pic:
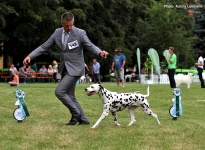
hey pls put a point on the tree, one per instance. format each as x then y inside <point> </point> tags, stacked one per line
<point>31,27</point>
<point>109,24</point>
<point>165,27</point>
<point>105,22</point>
<point>199,27</point>
<point>4,11</point>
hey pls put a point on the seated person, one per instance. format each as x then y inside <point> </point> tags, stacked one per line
<point>30,71</point>
<point>50,70</point>
<point>23,73</point>
<point>43,71</point>
<point>10,70</point>
<point>15,81</point>
<point>133,76</point>
<point>142,71</point>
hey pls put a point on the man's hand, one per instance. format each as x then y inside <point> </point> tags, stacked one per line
<point>26,60</point>
<point>103,54</point>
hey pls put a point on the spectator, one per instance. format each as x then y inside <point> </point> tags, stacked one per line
<point>15,81</point>
<point>96,71</point>
<point>118,65</point>
<point>172,61</point>
<point>30,71</point>
<point>200,67</point>
<point>133,76</point>
<point>55,71</point>
<point>142,71</point>
<point>43,71</point>
<point>11,69</point>
<point>34,67</point>
<point>17,66</point>
<point>23,73</point>
<point>50,70</point>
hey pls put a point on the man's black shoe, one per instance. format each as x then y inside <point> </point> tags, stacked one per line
<point>84,123</point>
<point>72,122</point>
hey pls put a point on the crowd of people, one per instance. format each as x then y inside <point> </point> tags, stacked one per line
<point>30,71</point>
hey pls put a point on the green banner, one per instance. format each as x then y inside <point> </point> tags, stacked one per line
<point>166,55</point>
<point>155,59</point>
<point>138,59</point>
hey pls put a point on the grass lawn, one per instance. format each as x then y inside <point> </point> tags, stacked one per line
<point>45,128</point>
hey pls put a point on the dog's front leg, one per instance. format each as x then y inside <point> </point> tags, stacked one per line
<point>104,114</point>
<point>115,118</point>
<point>188,86</point>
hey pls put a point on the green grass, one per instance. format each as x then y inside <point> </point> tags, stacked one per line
<point>45,127</point>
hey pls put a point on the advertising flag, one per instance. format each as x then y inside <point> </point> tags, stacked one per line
<point>155,59</point>
<point>166,55</point>
<point>138,59</point>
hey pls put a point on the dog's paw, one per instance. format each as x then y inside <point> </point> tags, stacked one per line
<point>118,124</point>
<point>131,123</point>
<point>93,127</point>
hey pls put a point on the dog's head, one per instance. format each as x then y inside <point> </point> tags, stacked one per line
<point>93,89</point>
<point>190,74</point>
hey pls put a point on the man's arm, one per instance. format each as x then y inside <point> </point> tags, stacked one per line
<point>41,49</point>
<point>112,66</point>
<point>87,68</point>
<point>91,47</point>
<point>123,64</point>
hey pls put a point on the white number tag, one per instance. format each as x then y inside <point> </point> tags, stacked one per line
<point>73,44</point>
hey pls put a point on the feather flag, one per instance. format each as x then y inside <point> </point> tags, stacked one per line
<point>166,55</point>
<point>138,59</point>
<point>155,59</point>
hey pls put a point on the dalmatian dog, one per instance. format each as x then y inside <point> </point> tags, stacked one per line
<point>183,79</point>
<point>113,102</point>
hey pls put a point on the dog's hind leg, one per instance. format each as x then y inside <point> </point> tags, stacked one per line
<point>147,110</point>
<point>156,118</point>
<point>115,118</point>
<point>131,110</point>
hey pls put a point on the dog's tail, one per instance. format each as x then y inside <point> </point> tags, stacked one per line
<point>147,92</point>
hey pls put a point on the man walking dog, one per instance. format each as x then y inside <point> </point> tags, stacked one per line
<point>71,42</point>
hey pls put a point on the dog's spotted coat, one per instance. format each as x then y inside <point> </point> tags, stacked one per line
<point>114,102</point>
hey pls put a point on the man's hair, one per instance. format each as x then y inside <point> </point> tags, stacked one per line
<point>67,16</point>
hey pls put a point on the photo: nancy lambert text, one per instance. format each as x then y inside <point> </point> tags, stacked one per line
<point>183,6</point>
